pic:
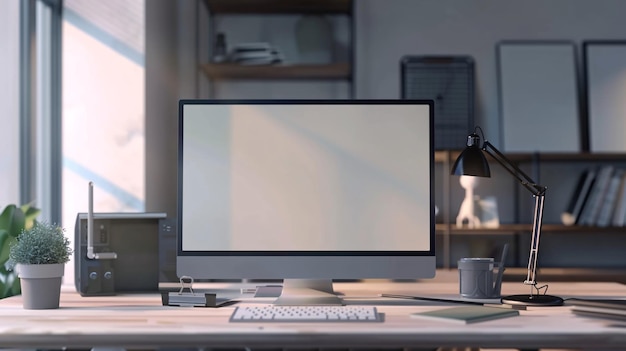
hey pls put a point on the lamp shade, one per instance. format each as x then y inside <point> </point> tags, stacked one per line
<point>471,162</point>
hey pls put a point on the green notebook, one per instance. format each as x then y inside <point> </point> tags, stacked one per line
<point>467,314</point>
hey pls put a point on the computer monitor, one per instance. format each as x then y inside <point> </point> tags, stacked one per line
<point>306,191</point>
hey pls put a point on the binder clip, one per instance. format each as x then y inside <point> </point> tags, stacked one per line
<point>189,298</point>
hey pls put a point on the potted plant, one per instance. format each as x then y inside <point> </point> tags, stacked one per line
<point>13,220</point>
<point>39,255</point>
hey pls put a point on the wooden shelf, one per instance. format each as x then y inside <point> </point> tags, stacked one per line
<point>339,71</point>
<point>547,275</point>
<point>441,155</point>
<point>507,229</point>
<point>279,6</point>
<point>335,71</point>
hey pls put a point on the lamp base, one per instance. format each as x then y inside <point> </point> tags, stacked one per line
<point>532,300</point>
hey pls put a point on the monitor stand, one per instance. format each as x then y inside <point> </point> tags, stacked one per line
<point>308,292</point>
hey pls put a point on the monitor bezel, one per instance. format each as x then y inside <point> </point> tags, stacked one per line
<point>257,263</point>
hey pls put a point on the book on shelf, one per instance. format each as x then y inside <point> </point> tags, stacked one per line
<point>579,196</point>
<point>619,214</point>
<point>467,314</point>
<point>591,209</point>
<point>607,208</point>
<point>260,53</point>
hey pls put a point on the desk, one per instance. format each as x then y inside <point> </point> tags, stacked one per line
<point>140,322</point>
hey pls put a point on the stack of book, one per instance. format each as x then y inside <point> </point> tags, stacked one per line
<point>255,54</point>
<point>602,308</point>
<point>599,198</point>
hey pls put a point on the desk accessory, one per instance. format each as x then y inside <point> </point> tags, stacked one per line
<point>477,279</point>
<point>431,299</point>
<point>467,314</point>
<point>189,298</point>
<point>599,308</point>
<point>472,162</point>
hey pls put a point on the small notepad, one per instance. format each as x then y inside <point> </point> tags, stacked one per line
<point>467,314</point>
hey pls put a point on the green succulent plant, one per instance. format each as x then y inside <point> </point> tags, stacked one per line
<point>44,243</point>
<point>13,220</point>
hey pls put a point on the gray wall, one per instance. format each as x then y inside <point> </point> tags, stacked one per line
<point>388,30</point>
<point>162,93</point>
<point>171,74</point>
<point>385,31</point>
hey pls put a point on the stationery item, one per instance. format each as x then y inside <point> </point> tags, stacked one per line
<point>255,54</point>
<point>610,304</point>
<point>432,299</point>
<point>477,279</point>
<point>467,314</point>
<point>599,308</point>
<point>600,315</point>
<point>190,298</point>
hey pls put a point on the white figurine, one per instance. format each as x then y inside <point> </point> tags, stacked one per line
<point>467,211</point>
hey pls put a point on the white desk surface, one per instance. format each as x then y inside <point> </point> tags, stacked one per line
<point>141,322</point>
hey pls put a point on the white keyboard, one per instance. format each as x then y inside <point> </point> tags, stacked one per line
<point>314,314</point>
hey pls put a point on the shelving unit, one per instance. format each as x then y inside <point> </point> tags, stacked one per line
<point>335,71</point>
<point>446,229</point>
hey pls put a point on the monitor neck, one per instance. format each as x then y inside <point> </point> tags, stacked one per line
<point>308,292</point>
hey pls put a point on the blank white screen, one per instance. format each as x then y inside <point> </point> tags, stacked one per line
<point>300,177</point>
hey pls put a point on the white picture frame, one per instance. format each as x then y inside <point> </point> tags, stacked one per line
<point>539,96</point>
<point>605,78</point>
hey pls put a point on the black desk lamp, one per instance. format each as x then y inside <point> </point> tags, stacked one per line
<point>472,162</point>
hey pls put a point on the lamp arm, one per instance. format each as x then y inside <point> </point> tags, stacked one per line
<point>515,171</point>
<point>538,192</point>
<point>534,242</point>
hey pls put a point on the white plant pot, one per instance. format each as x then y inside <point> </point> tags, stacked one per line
<point>41,285</point>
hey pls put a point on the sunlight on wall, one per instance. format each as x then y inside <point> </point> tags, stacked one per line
<point>103,129</point>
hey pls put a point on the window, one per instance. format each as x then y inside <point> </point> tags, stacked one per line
<point>9,101</point>
<point>103,107</point>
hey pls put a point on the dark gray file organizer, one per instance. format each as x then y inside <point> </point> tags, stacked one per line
<point>449,82</point>
<point>139,262</point>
